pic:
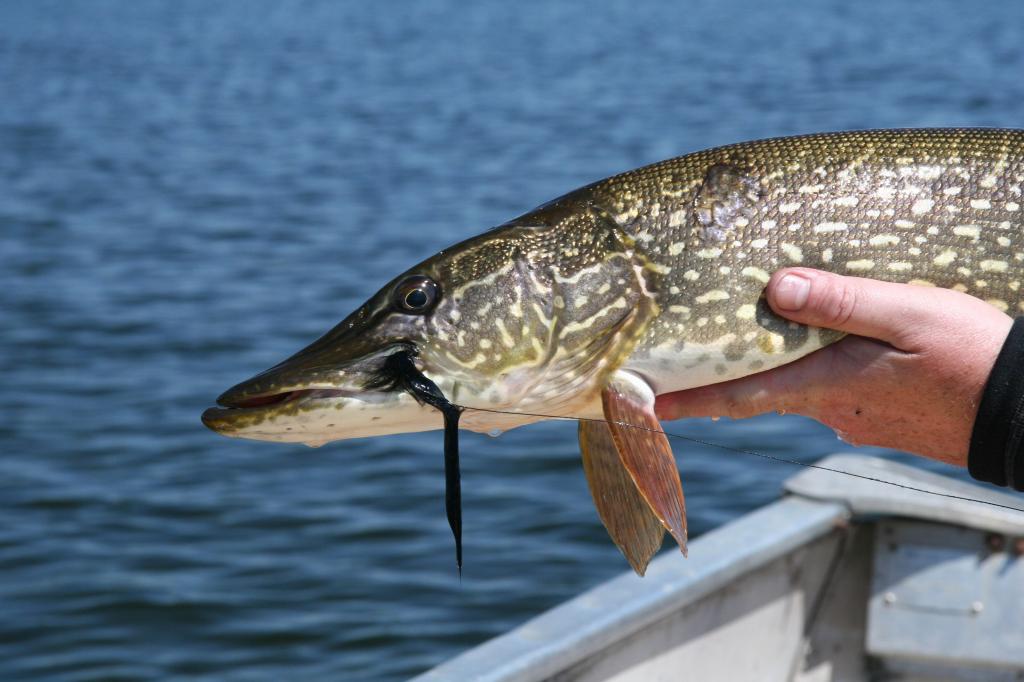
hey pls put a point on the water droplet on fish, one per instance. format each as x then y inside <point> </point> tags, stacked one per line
<point>845,437</point>
<point>494,433</point>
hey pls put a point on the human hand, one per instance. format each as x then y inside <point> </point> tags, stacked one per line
<point>911,378</point>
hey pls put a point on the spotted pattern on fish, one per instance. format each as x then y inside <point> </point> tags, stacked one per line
<point>939,207</point>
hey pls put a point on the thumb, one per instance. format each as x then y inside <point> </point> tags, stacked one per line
<point>865,307</point>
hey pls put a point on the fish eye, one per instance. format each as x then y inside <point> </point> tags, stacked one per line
<point>416,294</point>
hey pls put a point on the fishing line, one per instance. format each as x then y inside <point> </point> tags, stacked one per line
<point>774,458</point>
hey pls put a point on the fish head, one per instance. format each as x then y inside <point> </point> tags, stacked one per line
<point>525,319</point>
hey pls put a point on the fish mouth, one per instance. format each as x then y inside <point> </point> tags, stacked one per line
<point>227,404</point>
<point>315,415</point>
<point>233,412</point>
<point>318,414</point>
<point>293,393</point>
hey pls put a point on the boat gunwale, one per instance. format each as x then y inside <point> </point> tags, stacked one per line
<point>818,502</point>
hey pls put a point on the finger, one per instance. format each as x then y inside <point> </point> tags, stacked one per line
<point>880,310</point>
<point>717,400</point>
<point>792,388</point>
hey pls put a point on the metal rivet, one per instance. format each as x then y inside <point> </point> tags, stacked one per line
<point>977,607</point>
<point>889,598</point>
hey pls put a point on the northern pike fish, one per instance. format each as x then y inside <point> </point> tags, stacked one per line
<point>641,284</point>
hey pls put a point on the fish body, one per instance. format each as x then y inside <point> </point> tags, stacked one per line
<point>932,207</point>
<point>649,282</point>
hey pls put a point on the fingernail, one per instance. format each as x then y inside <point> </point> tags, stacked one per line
<point>791,292</point>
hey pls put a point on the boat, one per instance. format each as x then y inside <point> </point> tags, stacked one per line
<point>841,579</point>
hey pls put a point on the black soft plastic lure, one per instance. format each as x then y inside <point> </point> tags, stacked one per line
<point>400,373</point>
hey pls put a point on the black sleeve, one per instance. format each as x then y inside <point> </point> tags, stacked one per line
<point>997,441</point>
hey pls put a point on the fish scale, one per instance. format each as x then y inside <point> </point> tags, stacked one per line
<point>931,207</point>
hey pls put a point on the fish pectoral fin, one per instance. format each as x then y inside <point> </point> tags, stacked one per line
<point>644,450</point>
<point>633,527</point>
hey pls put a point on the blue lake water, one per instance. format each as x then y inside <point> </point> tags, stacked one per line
<point>190,191</point>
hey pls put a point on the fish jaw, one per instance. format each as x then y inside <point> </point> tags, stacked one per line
<point>318,416</point>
